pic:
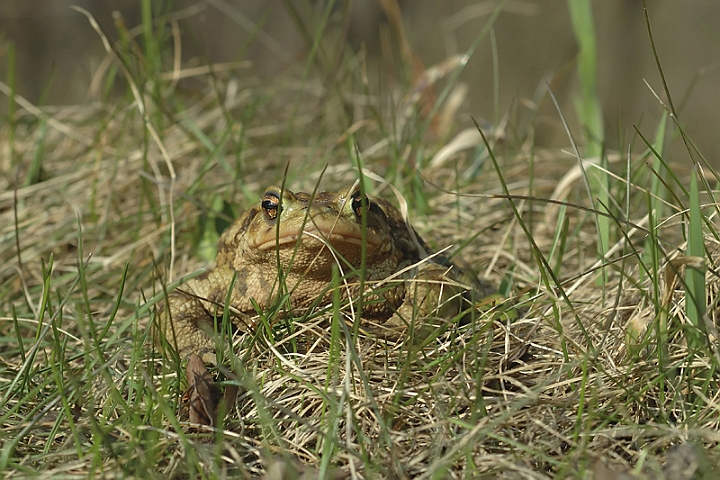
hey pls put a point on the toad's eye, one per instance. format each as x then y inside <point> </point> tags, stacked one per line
<point>270,204</point>
<point>359,203</point>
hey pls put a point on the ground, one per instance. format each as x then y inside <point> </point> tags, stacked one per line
<point>581,366</point>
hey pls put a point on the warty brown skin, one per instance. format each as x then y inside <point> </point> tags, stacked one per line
<point>304,237</point>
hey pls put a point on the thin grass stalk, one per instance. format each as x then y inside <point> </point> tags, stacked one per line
<point>11,79</point>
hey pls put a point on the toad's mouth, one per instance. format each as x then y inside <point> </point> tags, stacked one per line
<point>316,232</point>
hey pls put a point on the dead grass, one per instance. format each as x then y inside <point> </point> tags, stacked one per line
<point>547,383</point>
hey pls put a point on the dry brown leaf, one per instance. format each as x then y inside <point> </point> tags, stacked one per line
<point>200,391</point>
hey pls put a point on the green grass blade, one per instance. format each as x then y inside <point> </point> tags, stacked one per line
<point>589,112</point>
<point>695,277</point>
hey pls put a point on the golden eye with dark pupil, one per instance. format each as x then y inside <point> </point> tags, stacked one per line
<point>359,202</point>
<point>269,205</point>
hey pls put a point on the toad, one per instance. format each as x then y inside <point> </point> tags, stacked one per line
<point>289,247</point>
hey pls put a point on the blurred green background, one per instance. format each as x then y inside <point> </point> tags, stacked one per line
<point>57,52</point>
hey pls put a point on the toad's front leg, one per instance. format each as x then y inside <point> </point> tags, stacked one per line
<point>188,318</point>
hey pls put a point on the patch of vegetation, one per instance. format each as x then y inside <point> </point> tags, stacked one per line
<point>594,360</point>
